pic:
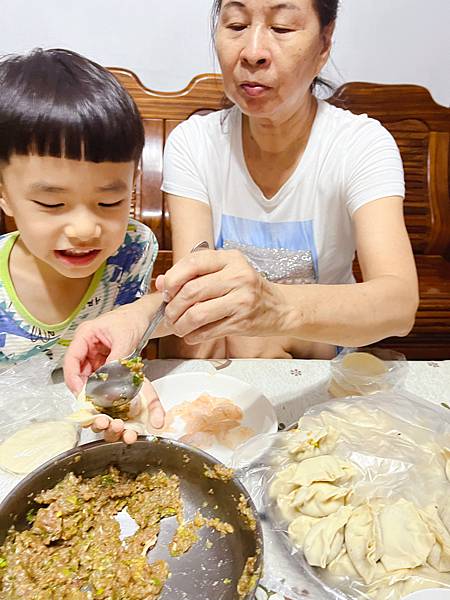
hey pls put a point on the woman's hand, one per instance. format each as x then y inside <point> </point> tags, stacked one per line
<point>216,293</point>
<point>111,336</point>
<point>146,413</point>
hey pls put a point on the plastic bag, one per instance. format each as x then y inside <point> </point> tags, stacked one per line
<point>27,395</point>
<point>361,372</point>
<point>395,442</point>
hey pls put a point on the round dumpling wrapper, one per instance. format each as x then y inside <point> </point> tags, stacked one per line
<point>33,445</point>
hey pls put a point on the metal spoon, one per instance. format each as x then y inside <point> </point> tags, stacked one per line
<point>114,385</point>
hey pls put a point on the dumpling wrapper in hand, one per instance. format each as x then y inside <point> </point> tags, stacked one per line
<point>407,540</point>
<point>299,527</point>
<point>320,499</point>
<point>363,541</point>
<point>320,468</point>
<point>325,539</point>
<point>37,443</point>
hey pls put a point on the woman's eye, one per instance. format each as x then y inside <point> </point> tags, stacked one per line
<point>281,29</point>
<point>59,205</point>
<point>110,204</point>
<point>236,26</point>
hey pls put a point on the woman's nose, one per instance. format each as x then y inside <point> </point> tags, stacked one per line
<point>256,51</point>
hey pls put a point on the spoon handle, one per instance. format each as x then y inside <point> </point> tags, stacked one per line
<point>155,321</point>
<point>159,315</point>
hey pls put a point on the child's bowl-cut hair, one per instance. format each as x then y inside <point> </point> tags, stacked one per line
<point>58,103</point>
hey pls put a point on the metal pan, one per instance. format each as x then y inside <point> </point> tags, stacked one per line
<point>205,571</point>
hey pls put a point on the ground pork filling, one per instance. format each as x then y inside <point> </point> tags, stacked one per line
<point>73,549</point>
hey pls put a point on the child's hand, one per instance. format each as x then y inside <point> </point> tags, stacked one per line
<point>146,413</point>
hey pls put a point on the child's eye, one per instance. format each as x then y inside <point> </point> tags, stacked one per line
<point>45,205</point>
<point>110,204</point>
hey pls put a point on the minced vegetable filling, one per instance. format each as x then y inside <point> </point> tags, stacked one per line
<point>73,549</point>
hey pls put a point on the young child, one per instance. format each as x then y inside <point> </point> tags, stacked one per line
<point>70,141</point>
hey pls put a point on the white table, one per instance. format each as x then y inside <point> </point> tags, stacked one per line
<point>291,386</point>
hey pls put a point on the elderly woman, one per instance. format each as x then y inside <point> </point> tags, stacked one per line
<point>285,187</point>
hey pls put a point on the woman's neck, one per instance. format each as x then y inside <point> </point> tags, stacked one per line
<point>287,133</point>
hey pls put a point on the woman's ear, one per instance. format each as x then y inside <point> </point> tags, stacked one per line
<point>327,41</point>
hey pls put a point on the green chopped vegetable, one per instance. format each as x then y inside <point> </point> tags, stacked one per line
<point>138,378</point>
<point>227,580</point>
<point>107,480</point>
<point>3,562</point>
<point>31,515</point>
<point>155,581</point>
<point>445,405</point>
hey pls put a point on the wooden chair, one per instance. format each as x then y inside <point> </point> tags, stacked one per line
<point>421,128</point>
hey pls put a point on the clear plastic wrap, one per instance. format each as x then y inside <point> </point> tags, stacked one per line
<point>399,447</point>
<point>365,371</point>
<point>28,396</point>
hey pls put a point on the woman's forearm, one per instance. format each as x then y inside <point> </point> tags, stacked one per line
<point>348,315</point>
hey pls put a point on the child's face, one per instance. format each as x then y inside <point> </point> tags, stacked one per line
<point>72,215</point>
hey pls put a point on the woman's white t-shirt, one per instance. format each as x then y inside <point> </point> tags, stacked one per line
<point>304,233</point>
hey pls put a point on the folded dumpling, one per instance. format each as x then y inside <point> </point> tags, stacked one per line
<point>363,541</point>
<point>320,468</point>
<point>286,507</point>
<point>439,557</point>
<point>299,527</point>
<point>446,453</point>
<point>320,499</point>
<point>342,566</point>
<point>305,444</point>
<point>324,540</point>
<point>407,540</point>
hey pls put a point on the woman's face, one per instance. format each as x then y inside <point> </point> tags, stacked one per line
<point>270,51</point>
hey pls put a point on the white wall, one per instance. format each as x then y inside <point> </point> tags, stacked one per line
<point>167,42</point>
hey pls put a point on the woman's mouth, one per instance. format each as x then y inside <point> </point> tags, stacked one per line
<point>77,257</point>
<point>254,90</point>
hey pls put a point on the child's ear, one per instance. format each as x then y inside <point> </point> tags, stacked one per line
<point>137,174</point>
<point>4,204</point>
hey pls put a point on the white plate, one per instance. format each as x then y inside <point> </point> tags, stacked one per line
<point>259,414</point>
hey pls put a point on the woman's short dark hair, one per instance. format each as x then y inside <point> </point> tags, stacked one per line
<point>326,11</point>
<point>58,103</point>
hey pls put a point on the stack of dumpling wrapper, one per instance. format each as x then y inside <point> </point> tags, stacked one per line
<point>363,489</point>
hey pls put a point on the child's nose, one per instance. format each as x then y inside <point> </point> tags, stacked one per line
<point>83,229</point>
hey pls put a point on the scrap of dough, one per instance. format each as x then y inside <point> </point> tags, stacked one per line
<point>324,540</point>
<point>320,499</point>
<point>32,446</point>
<point>307,444</point>
<point>439,557</point>
<point>407,540</point>
<point>299,527</point>
<point>319,468</point>
<point>363,541</point>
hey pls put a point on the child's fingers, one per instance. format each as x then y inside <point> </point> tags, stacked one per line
<point>100,423</point>
<point>129,436</point>
<point>114,431</point>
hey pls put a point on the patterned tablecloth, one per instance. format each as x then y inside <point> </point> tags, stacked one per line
<point>291,386</point>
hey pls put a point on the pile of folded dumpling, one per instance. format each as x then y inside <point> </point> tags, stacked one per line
<point>352,493</point>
